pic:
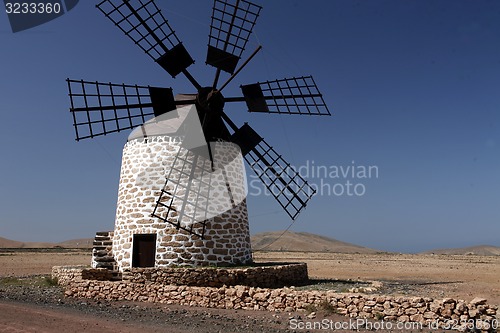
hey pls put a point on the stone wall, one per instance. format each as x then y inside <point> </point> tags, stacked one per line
<point>269,276</point>
<point>70,274</point>
<point>264,276</point>
<point>145,164</point>
<point>102,251</point>
<point>426,311</point>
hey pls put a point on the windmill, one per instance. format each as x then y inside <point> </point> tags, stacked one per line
<point>182,184</point>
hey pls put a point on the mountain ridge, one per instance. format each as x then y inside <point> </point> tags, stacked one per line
<point>84,243</point>
<point>279,241</point>
<point>482,250</point>
<point>304,242</point>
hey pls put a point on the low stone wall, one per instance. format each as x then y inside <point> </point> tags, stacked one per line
<point>265,276</point>
<point>69,274</point>
<point>427,311</point>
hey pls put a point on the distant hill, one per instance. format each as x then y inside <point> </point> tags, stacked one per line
<point>7,243</point>
<point>268,241</point>
<point>304,242</point>
<point>290,241</point>
<point>75,243</point>
<point>480,250</point>
<point>81,243</point>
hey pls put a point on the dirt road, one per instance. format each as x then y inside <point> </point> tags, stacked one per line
<point>23,318</point>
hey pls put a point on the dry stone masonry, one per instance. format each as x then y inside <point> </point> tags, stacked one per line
<point>269,276</point>
<point>69,274</point>
<point>264,276</point>
<point>102,251</point>
<point>475,315</point>
<point>145,164</point>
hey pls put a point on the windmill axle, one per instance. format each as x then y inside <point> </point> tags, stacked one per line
<point>210,100</point>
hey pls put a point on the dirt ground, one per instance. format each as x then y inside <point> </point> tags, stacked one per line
<point>30,262</point>
<point>438,276</point>
<point>456,276</point>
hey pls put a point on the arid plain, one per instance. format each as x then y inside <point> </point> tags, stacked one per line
<point>460,273</point>
<point>457,276</point>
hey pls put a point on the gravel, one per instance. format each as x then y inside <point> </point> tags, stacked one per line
<point>38,291</point>
<point>33,290</point>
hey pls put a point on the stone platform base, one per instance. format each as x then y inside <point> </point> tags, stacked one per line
<point>415,312</point>
<point>271,275</point>
<point>150,285</point>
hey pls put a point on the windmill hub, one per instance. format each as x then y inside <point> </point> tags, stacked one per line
<point>210,100</point>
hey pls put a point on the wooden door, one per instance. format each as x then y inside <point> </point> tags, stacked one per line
<point>144,250</point>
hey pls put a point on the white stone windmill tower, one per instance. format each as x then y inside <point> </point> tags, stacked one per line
<point>182,185</point>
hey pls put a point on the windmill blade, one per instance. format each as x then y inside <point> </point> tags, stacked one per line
<point>104,108</point>
<point>184,199</point>
<point>286,185</point>
<point>199,188</point>
<point>143,22</point>
<point>231,26</point>
<point>289,96</point>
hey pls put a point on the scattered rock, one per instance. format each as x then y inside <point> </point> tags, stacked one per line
<point>478,301</point>
<point>312,315</point>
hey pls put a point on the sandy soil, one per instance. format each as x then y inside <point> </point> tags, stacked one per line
<point>438,276</point>
<point>131,318</point>
<point>458,276</point>
<point>25,262</point>
<point>40,320</point>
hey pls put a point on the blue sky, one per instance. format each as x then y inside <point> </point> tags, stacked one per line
<point>414,87</point>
